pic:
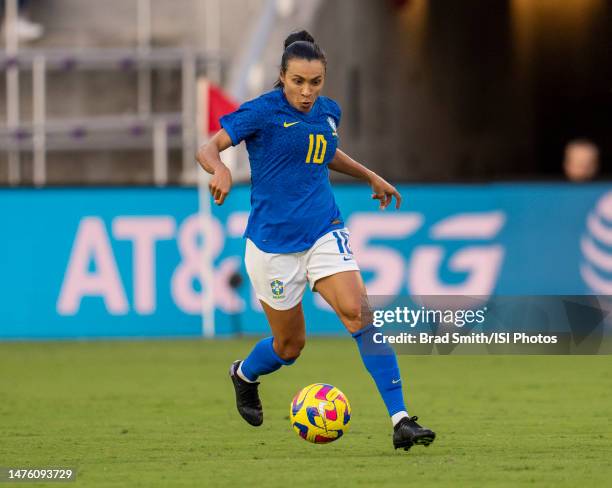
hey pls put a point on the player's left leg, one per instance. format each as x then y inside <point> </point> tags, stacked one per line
<point>345,292</point>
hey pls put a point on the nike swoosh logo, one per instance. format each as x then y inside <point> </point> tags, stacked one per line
<point>289,124</point>
<point>395,381</point>
<point>346,259</point>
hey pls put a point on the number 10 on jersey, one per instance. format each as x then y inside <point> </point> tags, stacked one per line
<point>316,148</point>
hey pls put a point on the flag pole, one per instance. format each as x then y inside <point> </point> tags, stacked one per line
<point>205,215</point>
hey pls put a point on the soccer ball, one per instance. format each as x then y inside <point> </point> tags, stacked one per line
<point>320,413</point>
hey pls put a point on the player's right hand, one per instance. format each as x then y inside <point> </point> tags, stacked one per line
<point>220,184</point>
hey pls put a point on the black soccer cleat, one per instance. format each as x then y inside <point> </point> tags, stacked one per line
<point>247,397</point>
<point>408,433</point>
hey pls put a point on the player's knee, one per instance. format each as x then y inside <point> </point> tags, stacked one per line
<point>290,348</point>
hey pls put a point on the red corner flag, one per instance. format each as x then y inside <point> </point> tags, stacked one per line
<point>214,104</point>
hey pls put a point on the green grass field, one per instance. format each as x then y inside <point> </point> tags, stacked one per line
<point>162,413</point>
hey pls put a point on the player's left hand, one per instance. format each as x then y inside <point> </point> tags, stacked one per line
<point>385,191</point>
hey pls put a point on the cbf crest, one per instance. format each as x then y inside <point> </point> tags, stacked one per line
<point>332,124</point>
<point>278,289</point>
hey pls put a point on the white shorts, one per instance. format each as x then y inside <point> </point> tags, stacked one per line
<point>280,279</point>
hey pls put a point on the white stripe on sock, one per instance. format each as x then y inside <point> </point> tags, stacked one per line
<point>396,417</point>
<point>242,375</point>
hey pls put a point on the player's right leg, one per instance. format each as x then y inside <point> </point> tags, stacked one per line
<point>279,281</point>
<point>268,355</point>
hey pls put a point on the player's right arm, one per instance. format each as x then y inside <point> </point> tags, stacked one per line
<point>208,156</point>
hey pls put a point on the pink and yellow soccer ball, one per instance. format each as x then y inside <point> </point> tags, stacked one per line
<point>320,413</point>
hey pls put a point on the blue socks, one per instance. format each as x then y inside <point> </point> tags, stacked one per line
<point>379,360</point>
<point>262,360</point>
<point>381,363</point>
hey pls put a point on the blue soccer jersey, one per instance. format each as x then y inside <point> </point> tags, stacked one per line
<point>292,203</point>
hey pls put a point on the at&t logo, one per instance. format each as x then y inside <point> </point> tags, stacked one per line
<point>596,247</point>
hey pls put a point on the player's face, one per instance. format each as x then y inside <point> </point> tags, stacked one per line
<point>303,82</point>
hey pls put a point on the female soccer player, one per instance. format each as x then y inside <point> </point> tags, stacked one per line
<point>295,232</point>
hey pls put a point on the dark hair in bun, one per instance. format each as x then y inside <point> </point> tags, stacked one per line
<point>297,36</point>
<point>300,45</point>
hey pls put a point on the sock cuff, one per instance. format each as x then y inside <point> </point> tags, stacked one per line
<point>359,333</point>
<point>246,373</point>
<point>270,343</point>
<point>397,416</point>
<point>249,377</point>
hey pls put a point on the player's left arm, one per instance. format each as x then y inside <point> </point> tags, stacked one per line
<point>382,189</point>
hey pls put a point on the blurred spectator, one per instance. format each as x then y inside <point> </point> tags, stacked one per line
<point>26,29</point>
<point>581,161</point>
